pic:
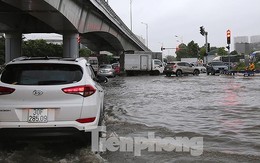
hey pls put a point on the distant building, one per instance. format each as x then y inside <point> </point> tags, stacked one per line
<point>255,46</point>
<point>241,39</point>
<point>243,46</point>
<point>255,43</point>
<point>255,39</point>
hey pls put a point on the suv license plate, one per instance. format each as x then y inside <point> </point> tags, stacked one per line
<point>38,116</point>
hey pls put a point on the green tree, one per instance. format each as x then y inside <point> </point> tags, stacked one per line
<point>170,58</point>
<point>36,48</point>
<point>187,51</point>
<point>181,52</point>
<point>193,49</point>
<point>84,52</point>
<point>202,52</point>
<point>222,52</point>
<point>234,52</point>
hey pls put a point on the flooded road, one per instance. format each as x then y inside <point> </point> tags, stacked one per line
<point>223,110</point>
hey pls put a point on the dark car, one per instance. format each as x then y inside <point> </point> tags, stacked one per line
<point>216,67</point>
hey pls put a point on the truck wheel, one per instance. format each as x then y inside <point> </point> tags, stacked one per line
<point>178,73</point>
<point>157,73</point>
<point>196,72</point>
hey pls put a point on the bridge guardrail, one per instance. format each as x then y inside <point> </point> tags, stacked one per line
<point>110,11</point>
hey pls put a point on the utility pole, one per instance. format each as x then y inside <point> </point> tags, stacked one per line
<point>207,49</point>
<point>181,37</point>
<point>131,16</point>
<point>146,32</point>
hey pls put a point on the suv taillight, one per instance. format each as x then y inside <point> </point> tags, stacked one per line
<point>86,120</point>
<point>6,90</point>
<point>84,90</point>
<point>174,66</point>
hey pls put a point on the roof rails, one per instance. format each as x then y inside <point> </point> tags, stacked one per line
<point>24,58</point>
<point>20,58</point>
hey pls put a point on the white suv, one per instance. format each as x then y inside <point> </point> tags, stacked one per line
<point>180,68</point>
<point>49,96</point>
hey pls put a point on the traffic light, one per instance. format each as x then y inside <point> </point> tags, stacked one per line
<point>228,47</point>
<point>202,31</point>
<point>208,47</point>
<point>78,39</point>
<point>162,48</point>
<point>228,36</point>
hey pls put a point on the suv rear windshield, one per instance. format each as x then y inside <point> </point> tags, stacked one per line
<point>217,63</point>
<point>170,64</point>
<point>41,74</point>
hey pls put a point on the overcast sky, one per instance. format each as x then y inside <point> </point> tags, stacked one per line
<point>167,18</point>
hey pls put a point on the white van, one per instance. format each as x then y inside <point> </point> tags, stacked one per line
<point>94,63</point>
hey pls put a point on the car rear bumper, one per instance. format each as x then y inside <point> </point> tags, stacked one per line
<point>169,72</point>
<point>39,132</point>
<point>106,74</point>
<point>46,129</point>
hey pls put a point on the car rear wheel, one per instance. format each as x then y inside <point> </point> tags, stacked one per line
<point>168,74</point>
<point>178,73</point>
<point>196,72</point>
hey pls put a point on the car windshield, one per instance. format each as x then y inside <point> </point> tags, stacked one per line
<point>218,63</point>
<point>105,66</point>
<point>93,62</point>
<point>41,74</point>
<point>170,64</point>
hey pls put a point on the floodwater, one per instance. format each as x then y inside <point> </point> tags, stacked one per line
<point>222,111</point>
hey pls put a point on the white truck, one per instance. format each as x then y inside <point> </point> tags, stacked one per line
<point>189,60</point>
<point>139,62</point>
<point>94,63</point>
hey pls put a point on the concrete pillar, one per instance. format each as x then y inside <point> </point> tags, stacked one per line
<point>13,46</point>
<point>70,45</point>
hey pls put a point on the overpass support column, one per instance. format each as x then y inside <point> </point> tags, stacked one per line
<point>13,46</point>
<point>70,45</point>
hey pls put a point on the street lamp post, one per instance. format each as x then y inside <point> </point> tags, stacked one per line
<point>131,16</point>
<point>180,37</point>
<point>146,32</point>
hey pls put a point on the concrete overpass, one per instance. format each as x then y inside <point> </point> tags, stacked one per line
<point>98,26</point>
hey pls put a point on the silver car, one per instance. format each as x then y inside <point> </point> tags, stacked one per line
<point>106,70</point>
